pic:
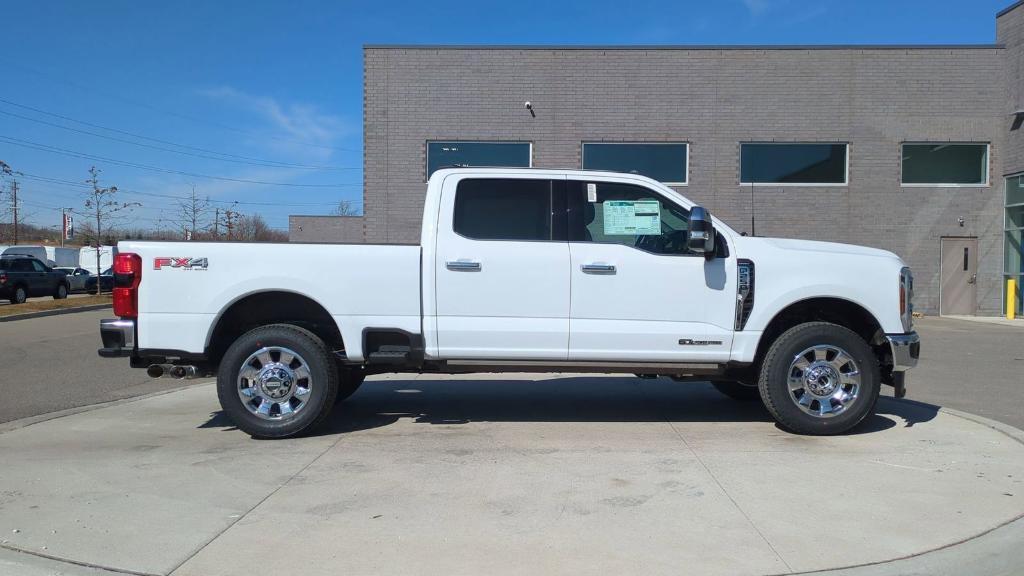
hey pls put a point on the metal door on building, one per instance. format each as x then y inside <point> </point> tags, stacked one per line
<point>958,276</point>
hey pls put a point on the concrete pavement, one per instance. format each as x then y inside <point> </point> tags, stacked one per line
<point>505,474</point>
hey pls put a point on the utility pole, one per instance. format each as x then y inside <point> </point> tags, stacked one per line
<point>216,224</point>
<point>14,207</point>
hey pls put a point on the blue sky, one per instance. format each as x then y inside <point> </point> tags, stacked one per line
<point>272,91</point>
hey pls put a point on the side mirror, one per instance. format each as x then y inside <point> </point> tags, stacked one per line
<point>701,236</point>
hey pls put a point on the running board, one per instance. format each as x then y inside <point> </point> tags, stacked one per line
<point>670,368</point>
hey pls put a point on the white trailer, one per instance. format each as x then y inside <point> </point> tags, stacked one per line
<point>27,250</point>
<point>62,257</point>
<point>87,258</point>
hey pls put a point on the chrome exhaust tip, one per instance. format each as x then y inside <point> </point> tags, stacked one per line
<point>181,372</point>
<point>155,371</point>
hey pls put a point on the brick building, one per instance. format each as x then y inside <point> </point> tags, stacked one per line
<point>913,149</point>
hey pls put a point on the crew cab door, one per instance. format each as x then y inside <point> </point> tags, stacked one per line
<point>637,292</point>
<point>502,268</point>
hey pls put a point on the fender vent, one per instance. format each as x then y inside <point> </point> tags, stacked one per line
<point>744,292</point>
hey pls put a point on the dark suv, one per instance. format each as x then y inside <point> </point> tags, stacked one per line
<point>24,277</point>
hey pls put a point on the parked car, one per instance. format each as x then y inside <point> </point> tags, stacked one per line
<point>106,280</point>
<point>23,277</point>
<point>524,270</point>
<point>77,277</point>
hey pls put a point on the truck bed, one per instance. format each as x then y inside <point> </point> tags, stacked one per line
<point>360,285</point>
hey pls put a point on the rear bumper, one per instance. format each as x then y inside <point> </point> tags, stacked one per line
<point>118,337</point>
<point>906,349</point>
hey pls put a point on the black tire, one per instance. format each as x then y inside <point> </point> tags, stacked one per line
<point>61,293</point>
<point>774,387</point>
<point>19,296</point>
<point>737,390</point>
<point>349,380</point>
<point>323,377</point>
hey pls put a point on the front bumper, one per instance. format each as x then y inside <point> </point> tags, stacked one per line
<point>906,349</point>
<point>118,336</point>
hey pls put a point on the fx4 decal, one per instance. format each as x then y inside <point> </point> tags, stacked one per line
<point>161,262</point>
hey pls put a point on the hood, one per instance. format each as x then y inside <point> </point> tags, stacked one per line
<point>817,247</point>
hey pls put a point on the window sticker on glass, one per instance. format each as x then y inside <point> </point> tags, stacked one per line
<point>632,217</point>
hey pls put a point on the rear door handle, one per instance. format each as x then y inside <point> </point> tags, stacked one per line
<point>463,265</point>
<point>598,268</point>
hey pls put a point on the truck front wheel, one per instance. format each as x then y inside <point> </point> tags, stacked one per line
<point>819,378</point>
<point>277,381</point>
<point>737,390</point>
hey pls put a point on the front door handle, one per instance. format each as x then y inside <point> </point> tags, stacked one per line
<point>598,268</point>
<point>974,278</point>
<point>463,265</point>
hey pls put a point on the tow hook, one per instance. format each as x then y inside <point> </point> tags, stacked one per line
<point>899,384</point>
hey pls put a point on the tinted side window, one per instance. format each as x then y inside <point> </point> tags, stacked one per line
<point>21,265</point>
<point>38,266</point>
<point>505,209</point>
<point>628,215</point>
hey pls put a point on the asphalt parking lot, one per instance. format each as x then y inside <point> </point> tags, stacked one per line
<point>50,364</point>
<point>970,366</point>
<point>506,474</point>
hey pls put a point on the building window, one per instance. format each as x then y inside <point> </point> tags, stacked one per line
<point>666,162</point>
<point>800,164</point>
<point>944,164</point>
<point>478,154</point>
<point>508,209</point>
<point>1013,250</point>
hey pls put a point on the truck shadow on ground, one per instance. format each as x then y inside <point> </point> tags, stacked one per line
<point>380,403</point>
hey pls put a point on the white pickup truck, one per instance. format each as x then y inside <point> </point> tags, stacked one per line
<point>523,270</point>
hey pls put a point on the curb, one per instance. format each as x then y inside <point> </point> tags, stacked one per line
<point>57,312</point>
<point>40,418</point>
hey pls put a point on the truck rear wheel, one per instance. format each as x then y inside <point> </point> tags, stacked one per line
<point>277,381</point>
<point>819,378</point>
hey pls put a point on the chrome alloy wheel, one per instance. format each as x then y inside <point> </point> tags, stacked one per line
<point>824,381</point>
<point>274,383</point>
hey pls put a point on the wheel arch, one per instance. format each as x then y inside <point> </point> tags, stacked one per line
<point>833,309</point>
<point>262,307</point>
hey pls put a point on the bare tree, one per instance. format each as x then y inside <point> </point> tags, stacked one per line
<point>193,213</point>
<point>101,206</point>
<point>253,228</point>
<point>346,208</point>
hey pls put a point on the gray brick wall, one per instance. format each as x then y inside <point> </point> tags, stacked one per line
<point>326,229</point>
<point>1010,33</point>
<point>713,98</point>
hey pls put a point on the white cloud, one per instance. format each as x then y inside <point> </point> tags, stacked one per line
<point>756,7</point>
<point>295,124</point>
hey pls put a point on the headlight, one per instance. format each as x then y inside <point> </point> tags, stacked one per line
<point>906,299</point>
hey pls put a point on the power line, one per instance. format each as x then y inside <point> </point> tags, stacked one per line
<point>74,154</point>
<point>54,78</point>
<point>209,154</point>
<point>172,196</point>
